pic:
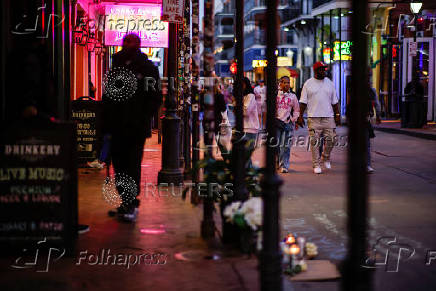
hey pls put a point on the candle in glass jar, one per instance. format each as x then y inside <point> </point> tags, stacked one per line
<point>301,242</point>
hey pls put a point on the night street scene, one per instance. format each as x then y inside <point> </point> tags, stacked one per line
<point>219,145</point>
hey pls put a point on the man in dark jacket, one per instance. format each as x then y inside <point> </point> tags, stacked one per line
<point>128,111</point>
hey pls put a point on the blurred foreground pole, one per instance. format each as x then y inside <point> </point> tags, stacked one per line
<point>187,88</point>
<point>270,258</point>
<point>355,277</point>
<point>170,172</point>
<point>240,191</point>
<point>208,225</point>
<point>230,231</point>
<point>195,99</point>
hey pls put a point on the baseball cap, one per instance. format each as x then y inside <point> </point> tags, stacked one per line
<point>318,65</point>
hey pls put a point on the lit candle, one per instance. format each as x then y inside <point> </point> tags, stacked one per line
<point>294,249</point>
<point>301,242</point>
<point>290,239</point>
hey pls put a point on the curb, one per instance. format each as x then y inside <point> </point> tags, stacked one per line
<point>422,135</point>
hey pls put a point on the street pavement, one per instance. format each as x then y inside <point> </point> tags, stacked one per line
<point>402,204</point>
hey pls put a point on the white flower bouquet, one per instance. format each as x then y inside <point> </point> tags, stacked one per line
<point>246,214</point>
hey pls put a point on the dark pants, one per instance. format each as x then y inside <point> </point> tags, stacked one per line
<point>127,152</point>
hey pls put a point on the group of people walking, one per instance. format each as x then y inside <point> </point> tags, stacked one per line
<point>128,124</point>
<point>318,96</point>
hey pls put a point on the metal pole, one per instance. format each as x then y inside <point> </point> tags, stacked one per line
<point>270,258</point>
<point>354,276</point>
<point>340,59</point>
<point>322,38</point>
<point>330,40</point>
<point>170,172</point>
<point>315,24</point>
<point>208,225</point>
<point>180,100</point>
<point>238,149</point>
<point>186,88</point>
<point>195,98</point>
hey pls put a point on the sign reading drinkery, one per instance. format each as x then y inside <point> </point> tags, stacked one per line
<point>172,11</point>
<point>38,184</point>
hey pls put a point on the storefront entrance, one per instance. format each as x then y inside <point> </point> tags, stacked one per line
<point>424,62</point>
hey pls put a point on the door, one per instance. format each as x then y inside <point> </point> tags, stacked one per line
<point>424,61</point>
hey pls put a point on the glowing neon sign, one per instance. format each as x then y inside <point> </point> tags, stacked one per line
<point>142,19</point>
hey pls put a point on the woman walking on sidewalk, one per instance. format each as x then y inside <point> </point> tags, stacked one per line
<point>251,118</point>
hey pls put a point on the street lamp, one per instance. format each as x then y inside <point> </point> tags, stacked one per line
<point>415,7</point>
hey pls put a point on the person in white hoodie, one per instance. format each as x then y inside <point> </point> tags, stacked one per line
<point>251,118</point>
<point>288,111</point>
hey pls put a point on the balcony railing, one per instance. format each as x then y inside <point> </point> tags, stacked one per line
<point>252,4</point>
<point>317,3</point>
<point>254,37</point>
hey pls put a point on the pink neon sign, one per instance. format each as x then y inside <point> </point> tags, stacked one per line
<point>142,19</point>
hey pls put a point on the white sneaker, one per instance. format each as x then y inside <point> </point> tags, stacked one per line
<point>317,170</point>
<point>327,165</point>
<point>370,169</point>
<point>284,170</point>
<point>96,164</point>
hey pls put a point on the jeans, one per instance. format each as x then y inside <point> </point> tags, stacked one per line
<point>368,154</point>
<point>250,145</point>
<point>105,150</point>
<point>284,145</point>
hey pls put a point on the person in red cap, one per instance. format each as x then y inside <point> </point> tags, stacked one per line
<point>320,98</point>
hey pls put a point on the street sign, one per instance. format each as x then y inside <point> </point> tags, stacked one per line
<point>412,48</point>
<point>172,11</point>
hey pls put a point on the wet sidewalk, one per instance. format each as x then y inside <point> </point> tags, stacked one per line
<point>163,250</point>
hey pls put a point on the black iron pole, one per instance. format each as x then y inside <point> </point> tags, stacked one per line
<point>180,100</point>
<point>340,59</point>
<point>331,40</point>
<point>187,88</point>
<point>315,24</point>
<point>170,172</point>
<point>354,276</point>
<point>195,99</point>
<point>208,225</point>
<point>238,148</point>
<point>271,259</point>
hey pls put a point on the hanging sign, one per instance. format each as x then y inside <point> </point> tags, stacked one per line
<point>172,11</point>
<point>412,48</point>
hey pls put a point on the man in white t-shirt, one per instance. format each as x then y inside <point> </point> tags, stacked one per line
<point>260,93</point>
<point>320,98</point>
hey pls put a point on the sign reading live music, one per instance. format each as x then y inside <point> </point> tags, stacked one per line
<point>87,114</point>
<point>172,11</point>
<point>38,183</point>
